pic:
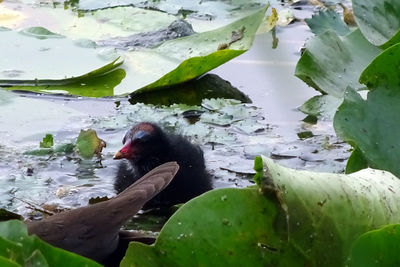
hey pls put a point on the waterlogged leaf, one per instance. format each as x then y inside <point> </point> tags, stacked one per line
<point>17,248</point>
<point>89,144</point>
<point>327,212</point>
<point>377,248</point>
<point>47,141</point>
<point>327,20</point>
<point>224,236</point>
<point>199,51</point>
<point>331,63</point>
<point>379,21</point>
<point>40,33</point>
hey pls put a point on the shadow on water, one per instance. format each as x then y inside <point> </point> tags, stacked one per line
<point>192,93</point>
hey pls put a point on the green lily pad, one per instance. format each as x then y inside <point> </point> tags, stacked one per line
<point>327,20</point>
<point>379,21</point>
<point>19,249</point>
<point>89,144</point>
<point>377,248</point>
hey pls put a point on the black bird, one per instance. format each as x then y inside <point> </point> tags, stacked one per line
<point>94,231</point>
<point>146,145</point>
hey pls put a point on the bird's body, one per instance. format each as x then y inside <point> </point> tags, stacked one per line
<point>146,145</point>
<point>93,231</point>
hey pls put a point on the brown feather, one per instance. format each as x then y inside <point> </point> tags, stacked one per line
<point>92,231</point>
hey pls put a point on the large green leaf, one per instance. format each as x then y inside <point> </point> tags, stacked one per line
<point>379,21</point>
<point>372,125</point>
<point>302,219</point>
<point>223,235</point>
<point>327,212</point>
<point>19,249</point>
<point>331,63</point>
<point>377,248</point>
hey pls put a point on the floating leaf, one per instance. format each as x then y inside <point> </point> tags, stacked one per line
<point>47,141</point>
<point>89,144</point>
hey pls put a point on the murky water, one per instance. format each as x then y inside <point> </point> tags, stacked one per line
<point>265,74</point>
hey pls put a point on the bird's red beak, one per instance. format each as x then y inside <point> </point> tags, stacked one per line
<point>125,152</point>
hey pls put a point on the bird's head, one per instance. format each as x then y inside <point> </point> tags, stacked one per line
<point>144,140</point>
